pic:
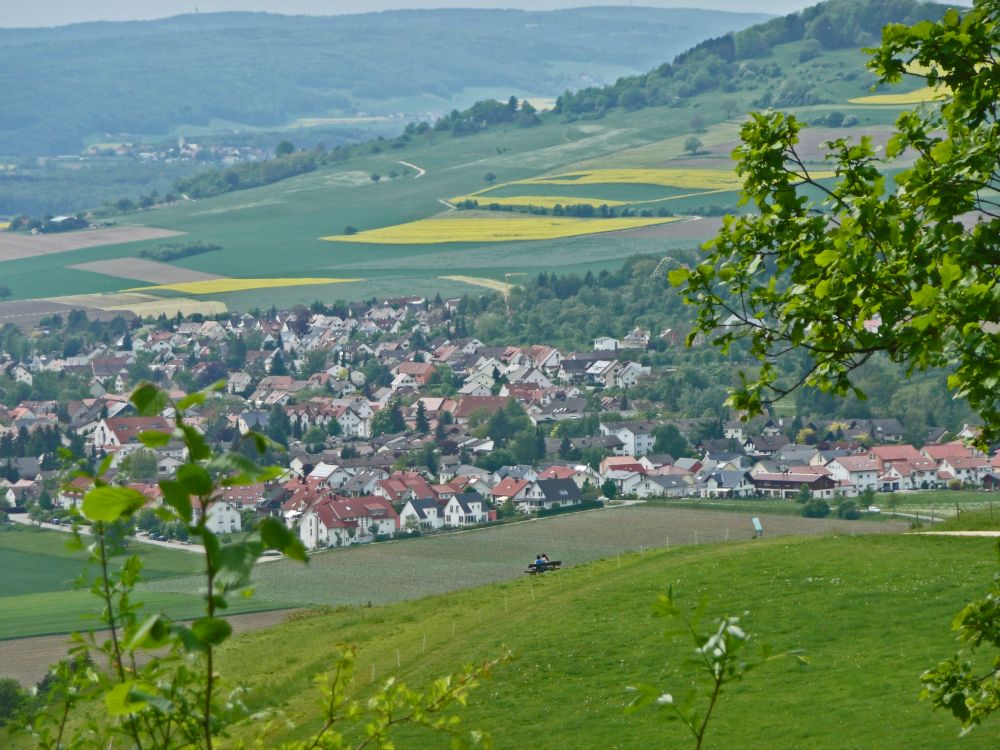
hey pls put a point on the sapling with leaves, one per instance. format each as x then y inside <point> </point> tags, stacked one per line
<point>968,683</point>
<point>152,682</point>
<point>721,655</point>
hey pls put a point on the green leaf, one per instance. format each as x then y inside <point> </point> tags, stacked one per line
<point>949,271</point>
<point>120,700</point>
<point>194,479</point>
<point>924,297</point>
<point>149,400</point>
<point>275,535</point>
<point>211,630</point>
<point>151,633</point>
<point>941,151</point>
<point>192,399</point>
<point>827,257</point>
<point>198,449</point>
<point>678,276</point>
<point>111,503</point>
<point>154,438</point>
<point>235,563</point>
<point>105,464</point>
<point>177,498</point>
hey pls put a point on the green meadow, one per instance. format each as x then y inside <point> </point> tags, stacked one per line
<point>871,613</point>
<point>45,584</point>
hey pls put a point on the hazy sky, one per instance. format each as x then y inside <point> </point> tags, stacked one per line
<point>60,12</point>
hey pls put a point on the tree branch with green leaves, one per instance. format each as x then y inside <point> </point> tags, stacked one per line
<point>819,259</point>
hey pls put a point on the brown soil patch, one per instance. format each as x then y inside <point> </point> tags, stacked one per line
<point>810,147</point>
<point>28,659</point>
<point>696,229</point>
<point>15,246</point>
<point>141,269</point>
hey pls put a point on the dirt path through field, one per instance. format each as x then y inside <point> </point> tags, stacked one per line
<point>420,171</point>
<point>28,659</point>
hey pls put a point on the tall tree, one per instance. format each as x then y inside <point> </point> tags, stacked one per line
<point>422,424</point>
<point>918,263</point>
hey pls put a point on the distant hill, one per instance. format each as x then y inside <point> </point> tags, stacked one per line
<point>727,63</point>
<point>66,84</point>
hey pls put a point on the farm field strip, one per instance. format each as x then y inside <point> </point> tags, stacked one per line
<point>142,305</point>
<point>920,96</point>
<point>496,286</point>
<point>720,180</point>
<point>478,228</point>
<point>542,201</point>
<point>143,269</point>
<point>16,246</point>
<point>223,285</point>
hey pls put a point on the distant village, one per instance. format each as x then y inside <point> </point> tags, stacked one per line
<point>392,431</point>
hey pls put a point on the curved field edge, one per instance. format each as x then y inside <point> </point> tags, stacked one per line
<point>871,613</point>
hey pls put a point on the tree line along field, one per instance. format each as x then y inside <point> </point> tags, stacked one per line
<point>870,612</point>
<point>276,230</point>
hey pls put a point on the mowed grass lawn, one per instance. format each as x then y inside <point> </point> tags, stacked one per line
<point>871,612</point>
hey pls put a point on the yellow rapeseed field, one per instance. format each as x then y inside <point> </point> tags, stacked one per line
<point>221,286</point>
<point>509,228</point>
<point>920,96</point>
<point>541,201</point>
<point>708,179</point>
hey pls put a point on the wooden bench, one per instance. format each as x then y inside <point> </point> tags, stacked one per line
<point>543,567</point>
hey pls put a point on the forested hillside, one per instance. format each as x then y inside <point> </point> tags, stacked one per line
<point>62,85</point>
<point>735,61</point>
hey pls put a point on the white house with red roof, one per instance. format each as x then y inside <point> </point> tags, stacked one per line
<point>341,521</point>
<point>115,433</point>
<point>970,470</point>
<point>861,471</point>
<point>514,489</point>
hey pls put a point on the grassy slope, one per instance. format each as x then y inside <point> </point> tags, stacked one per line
<point>872,613</point>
